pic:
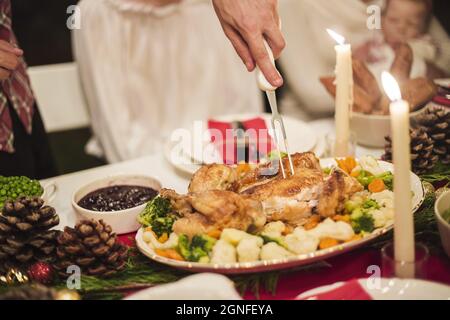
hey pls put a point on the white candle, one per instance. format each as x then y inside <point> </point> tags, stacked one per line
<point>344,94</point>
<point>404,247</point>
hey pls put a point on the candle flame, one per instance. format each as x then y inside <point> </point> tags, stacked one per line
<point>391,86</point>
<point>336,36</point>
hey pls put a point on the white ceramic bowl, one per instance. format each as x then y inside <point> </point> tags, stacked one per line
<point>370,130</point>
<point>442,204</point>
<point>122,221</point>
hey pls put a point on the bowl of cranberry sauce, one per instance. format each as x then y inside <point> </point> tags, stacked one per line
<point>117,200</point>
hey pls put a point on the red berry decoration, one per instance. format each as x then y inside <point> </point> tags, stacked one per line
<point>41,272</point>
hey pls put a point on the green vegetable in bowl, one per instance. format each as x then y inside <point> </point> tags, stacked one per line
<point>362,221</point>
<point>446,215</point>
<point>198,249</point>
<point>158,215</point>
<point>13,187</point>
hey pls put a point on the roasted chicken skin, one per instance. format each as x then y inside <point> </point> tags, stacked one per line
<point>218,193</point>
<point>216,209</point>
<point>213,177</point>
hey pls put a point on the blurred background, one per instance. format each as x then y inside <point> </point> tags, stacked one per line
<point>41,30</point>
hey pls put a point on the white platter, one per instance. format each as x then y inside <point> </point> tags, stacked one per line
<point>300,260</point>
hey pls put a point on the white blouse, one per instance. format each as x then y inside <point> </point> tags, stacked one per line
<point>148,70</point>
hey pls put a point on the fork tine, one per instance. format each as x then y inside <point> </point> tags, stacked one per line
<point>277,142</point>
<point>278,119</point>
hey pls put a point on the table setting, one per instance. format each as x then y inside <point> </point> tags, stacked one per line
<point>253,206</point>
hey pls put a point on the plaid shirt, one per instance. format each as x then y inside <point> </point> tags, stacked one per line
<point>15,90</point>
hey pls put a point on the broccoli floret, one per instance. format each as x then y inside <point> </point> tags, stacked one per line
<point>350,206</point>
<point>370,204</point>
<point>278,240</point>
<point>183,246</point>
<point>200,247</point>
<point>365,178</point>
<point>158,215</point>
<point>204,241</point>
<point>362,221</point>
<point>388,179</point>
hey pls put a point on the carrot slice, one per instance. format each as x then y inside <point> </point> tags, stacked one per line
<point>354,238</point>
<point>326,243</point>
<point>215,233</point>
<point>164,237</point>
<point>355,173</point>
<point>377,185</point>
<point>169,253</point>
<point>243,168</point>
<point>312,222</point>
<point>347,164</point>
<point>344,218</point>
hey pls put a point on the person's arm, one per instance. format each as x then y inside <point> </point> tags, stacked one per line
<point>247,23</point>
<point>9,59</point>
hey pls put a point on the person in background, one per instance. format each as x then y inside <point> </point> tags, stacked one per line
<point>404,21</point>
<point>311,55</point>
<point>149,67</point>
<point>24,146</point>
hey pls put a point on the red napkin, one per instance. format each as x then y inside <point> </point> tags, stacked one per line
<point>256,133</point>
<point>351,290</point>
<point>441,100</point>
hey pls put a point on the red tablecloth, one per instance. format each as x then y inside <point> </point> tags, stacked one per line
<point>349,266</point>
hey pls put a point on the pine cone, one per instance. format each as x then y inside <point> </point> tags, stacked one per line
<point>25,235</point>
<point>29,292</point>
<point>436,122</point>
<point>422,157</point>
<point>93,247</point>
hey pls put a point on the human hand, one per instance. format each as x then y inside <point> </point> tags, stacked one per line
<point>367,52</point>
<point>247,23</point>
<point>9,59</point>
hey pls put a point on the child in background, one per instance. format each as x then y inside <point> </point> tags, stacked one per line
<point>403,21</point>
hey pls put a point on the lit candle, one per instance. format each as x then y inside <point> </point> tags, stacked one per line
<point>344,93</point>
<point>404,248</point>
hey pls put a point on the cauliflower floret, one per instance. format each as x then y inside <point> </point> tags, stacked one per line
<point>274,229</point>
<point>379,219</point>
<point>370,164</point>
<point>301,242</point>
<point>223,252</point>
<point>234,236</point>
<point>273,251</point>
<point>248,249</point>
<point>330,229</point>
<point>149,238</point>
<point>384,198</point>
<point>388,214</point>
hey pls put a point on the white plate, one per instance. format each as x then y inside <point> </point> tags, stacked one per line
<point>269,265</point>
<point>443,82</point>
<point>392,289</point>
<point>301,137</point>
